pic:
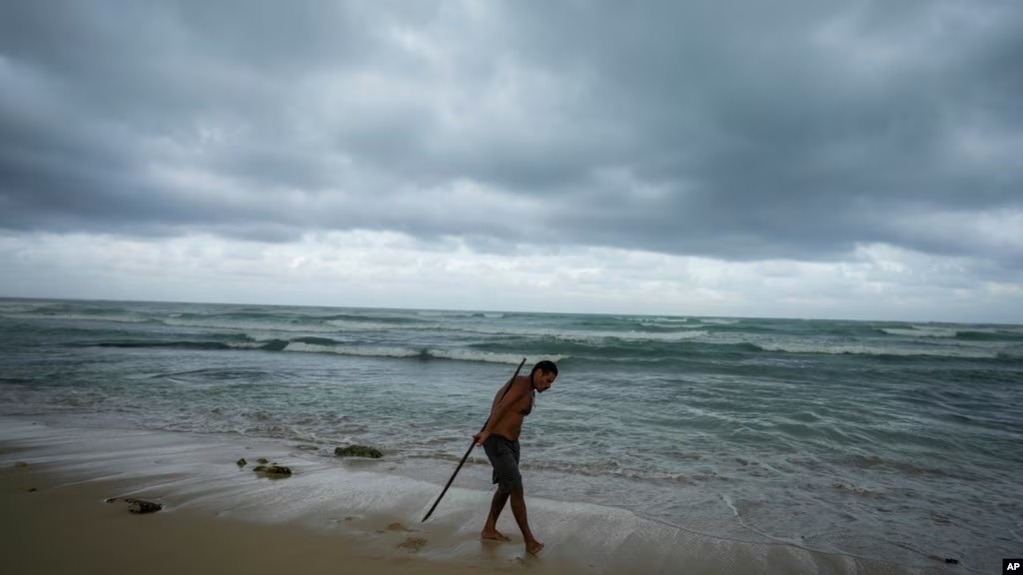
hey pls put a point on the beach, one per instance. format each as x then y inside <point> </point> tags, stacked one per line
<point>62,529</point>
<point>57,519</point>
<point>218,517</point>
<point>667,444</point>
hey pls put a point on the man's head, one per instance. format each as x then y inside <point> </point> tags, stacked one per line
<point>543,375</point>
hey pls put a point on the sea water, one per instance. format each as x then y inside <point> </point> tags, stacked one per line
<point>882,440</point>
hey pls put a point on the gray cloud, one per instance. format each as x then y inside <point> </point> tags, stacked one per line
<point>741,131</point>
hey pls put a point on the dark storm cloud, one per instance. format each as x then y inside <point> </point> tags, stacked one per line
<point>742,130</point>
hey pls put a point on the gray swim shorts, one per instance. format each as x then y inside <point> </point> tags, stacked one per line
<point>504,456</point>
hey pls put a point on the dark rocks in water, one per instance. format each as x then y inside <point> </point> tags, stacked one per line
<point>358,451</point>
<point>263,460</point>
<point>273,471</point>
<point>138,505</point>
<point>31,490</point>
<point>241,462</point>
<point>951,561</point>
<point>145,507</point>
<point>20,464</point>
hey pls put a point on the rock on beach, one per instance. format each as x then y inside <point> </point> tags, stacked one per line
<point>358,451</point>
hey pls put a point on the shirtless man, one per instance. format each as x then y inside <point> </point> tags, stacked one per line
<point>500,439</point>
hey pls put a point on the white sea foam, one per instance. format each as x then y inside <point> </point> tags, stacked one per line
<point>921,331</point>
<point>483,356</point>
<point>671,325</point>
<point>363,351</point>
<point>584,336</point>
<point>353,325</point>
<point>33,314</point>
<point>264,331</point>
<point>1015,352</point>
<point>242,325</point>
<point>380,351</point>
<point>630,336</point>
<point>860,349</point>
<point>434,313</point>
<point>17,309</point>
<point>247,345</point>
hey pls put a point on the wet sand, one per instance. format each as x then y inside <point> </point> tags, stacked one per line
<point>329,517</point>
<point>55,525</point>
<point>69,529</point>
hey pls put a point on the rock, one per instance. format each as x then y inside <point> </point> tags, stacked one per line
<point>31,489</point>
<point>395,527</point>
<point>951,561</point>
<point>20,464</point>
<point>241,462</point>
<point>138,505</point>
<point>263,460</point>
<point>273,471</point>
<point>358,451</point>
<point>413,543</point>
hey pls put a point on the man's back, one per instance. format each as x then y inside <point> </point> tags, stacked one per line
<point>512,407</point>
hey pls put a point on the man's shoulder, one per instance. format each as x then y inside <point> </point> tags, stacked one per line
<point>522,386</point>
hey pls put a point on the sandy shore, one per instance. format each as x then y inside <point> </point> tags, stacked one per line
<point>60,529</point>
<point>54,526</point>
<point>219,517</point>
<point>330,517</point>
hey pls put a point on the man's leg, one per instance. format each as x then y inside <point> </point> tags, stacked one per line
<point>518,505</point>
<point>496,507</point>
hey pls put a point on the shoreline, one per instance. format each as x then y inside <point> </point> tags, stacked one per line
<point>219,518</point>
<point>60,529</point>
<point>54,493</point>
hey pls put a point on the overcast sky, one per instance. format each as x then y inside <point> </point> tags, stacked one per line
<point>791,158</point>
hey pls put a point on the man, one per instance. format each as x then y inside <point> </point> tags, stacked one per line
<point>500,439</point>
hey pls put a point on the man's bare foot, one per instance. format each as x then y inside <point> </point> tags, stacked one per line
<point>494,535</point>
<point>533,547</point>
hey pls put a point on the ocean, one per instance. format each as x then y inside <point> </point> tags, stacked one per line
<point>891,441</point>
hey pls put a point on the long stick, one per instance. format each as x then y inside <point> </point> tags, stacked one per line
<point>473,444</point>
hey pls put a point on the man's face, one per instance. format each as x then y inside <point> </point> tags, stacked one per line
<point>543,380</point>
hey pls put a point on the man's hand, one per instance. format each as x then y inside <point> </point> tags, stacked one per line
<point>480,437</point>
